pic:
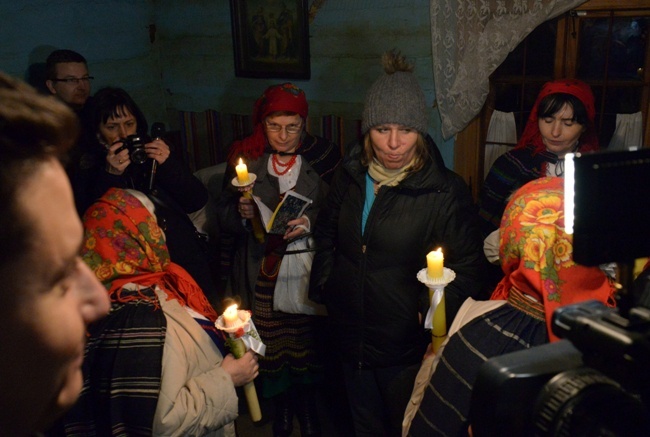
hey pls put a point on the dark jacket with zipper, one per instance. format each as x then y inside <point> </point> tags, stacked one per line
<point>368,280</point>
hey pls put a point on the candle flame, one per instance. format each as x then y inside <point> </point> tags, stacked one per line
<point>231,310</point>
<point>240,161</point>
<point>439,249</point>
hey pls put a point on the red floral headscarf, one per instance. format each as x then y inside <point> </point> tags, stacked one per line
<point>576,88</point>
<point>536,253</point>
<point>283,97</point>
<point>124,244</point>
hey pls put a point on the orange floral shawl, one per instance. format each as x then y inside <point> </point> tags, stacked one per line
<point>536,253</point>
<point>124,244</point>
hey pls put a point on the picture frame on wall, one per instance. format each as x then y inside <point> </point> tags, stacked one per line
<point>271,38</point>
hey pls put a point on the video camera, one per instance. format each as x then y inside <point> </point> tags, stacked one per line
<point>596,381</point>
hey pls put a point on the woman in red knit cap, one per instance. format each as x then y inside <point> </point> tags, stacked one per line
<point>283,156</point>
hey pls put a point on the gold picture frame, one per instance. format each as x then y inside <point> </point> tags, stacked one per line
<point>271,38</point>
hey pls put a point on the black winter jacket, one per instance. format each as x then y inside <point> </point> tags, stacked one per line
<point>368,282</point>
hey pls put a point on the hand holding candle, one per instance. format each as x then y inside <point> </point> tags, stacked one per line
<point>244,180</point>
<point>239,329</point>
<point>435,264</point>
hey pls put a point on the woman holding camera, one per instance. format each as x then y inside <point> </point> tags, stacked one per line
<point>135,161</point>
<point>121,129</point>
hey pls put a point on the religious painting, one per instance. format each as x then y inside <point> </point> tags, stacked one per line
<point>271,38</point>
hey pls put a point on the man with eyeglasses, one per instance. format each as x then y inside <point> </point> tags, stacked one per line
<point>66,74</point>
<point>67,78</point>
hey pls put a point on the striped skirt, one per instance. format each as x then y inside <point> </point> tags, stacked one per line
<point>518,325</point>
<point>292,353</point>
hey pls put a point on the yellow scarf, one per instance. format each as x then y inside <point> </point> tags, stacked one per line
<point>383,176</point>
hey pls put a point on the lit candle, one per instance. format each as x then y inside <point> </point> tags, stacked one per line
<point>231,316</point>
<point>242,172</point>
<point>238,348</point>
<point>434,264</point>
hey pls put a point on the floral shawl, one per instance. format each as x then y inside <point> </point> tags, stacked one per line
<point>536,253</point>
<point>124,244</point>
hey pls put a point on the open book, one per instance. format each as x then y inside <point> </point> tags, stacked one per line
<point>292,206</point>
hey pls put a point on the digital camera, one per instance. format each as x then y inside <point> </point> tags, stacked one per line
<point>135,145</point>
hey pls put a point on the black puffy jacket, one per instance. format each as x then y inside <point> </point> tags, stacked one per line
<point>368,282</point>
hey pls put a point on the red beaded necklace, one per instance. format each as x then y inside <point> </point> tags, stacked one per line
<point>286,166</point>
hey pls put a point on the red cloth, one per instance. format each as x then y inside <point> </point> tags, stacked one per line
<point>574,87</point>
<point>536,253</point>
<point>285,97</point>
<point>124,244</point>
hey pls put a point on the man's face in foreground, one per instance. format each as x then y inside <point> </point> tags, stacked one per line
<point>52,297</point>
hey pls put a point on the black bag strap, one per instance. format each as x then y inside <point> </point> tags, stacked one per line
<point>281,251</point>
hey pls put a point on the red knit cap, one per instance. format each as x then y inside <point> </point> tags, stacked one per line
<point>284,97</point>
<point>576,88</point>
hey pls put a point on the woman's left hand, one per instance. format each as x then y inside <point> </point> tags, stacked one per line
<point>158,150</point>
<point>296,227</point>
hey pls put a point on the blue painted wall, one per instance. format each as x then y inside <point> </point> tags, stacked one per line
<point>173,55</point>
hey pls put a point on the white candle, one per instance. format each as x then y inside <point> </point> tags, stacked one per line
<point>231,316</point>
<point>435,263</point>
<point>242,172</point>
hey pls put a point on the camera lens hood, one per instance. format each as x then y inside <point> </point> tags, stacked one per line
<point>585,402</point>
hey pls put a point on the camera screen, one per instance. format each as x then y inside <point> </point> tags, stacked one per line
<point>611,206</point>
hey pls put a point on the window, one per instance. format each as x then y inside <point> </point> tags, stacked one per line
<point>607,50</point>
<point>604,43</point>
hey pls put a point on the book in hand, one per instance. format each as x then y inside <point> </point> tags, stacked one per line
<point>292,206</point>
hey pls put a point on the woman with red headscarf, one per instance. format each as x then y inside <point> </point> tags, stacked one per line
<point>561,121</point>
<point>540,276</point>
<point>283,156</point>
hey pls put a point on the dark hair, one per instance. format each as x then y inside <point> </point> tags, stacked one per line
<point>33,130</point>
<point>110,102</point>
<point>551,104</point>
<point>61,57</point>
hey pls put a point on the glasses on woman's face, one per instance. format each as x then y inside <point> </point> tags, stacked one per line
<point>291,129</point>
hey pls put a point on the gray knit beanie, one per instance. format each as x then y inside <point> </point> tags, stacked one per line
<point>396,97</point>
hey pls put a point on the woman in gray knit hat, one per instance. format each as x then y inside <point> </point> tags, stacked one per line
<point>391,203</point>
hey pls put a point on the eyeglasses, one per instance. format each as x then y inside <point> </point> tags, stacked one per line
<point>291,129</point>
<point>75,80</point>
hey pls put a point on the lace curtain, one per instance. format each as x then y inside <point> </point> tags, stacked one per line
<point>501,137</point>
<point>470,38</point>
<point>628,133</point>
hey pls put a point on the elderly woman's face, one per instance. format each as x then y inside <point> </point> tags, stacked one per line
<point>283,132</point>
<point>560,133</point>
<point>393,144</point>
